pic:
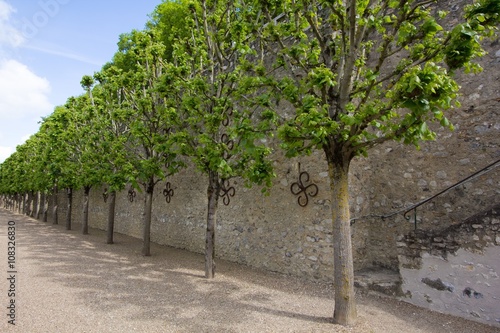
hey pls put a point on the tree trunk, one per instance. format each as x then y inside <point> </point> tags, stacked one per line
<point>55,217</point>
<point>44,207</point>
<point>36,198</point>
<point>24,202</point>
<point>148,207</point>
<point>345,303</point>
<point>111,217</point>
<point>29,202</point>
<point>85,222</point>
<point>213,192</point>
<point>70,208</point>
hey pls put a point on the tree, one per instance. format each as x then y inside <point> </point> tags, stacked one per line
<point>140,64</point>
<point>12,179</point>
<point>171,20</point>
<point>39,178</point>
<point>55,132</point>
<point>168,22</point>
<point>84,140</point>
<point>20,173</point>
<point>361,73</point>
<point>19,184</point>
<point>25,170</point>
<point>20,164</point>
<point>217,123</point>
<point>114,133</point>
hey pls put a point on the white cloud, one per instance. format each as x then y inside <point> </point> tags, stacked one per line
<point>22,93</point>
<point>8,33</point>
<point>5,152</point>
<point>24,96</point>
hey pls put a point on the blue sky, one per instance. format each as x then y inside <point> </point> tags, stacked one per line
<point>46,46</point>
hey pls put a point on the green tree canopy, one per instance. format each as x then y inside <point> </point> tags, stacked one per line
<point>218,123</point>
<point>138,65</point>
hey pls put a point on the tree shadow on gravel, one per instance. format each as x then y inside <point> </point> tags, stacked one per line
<point>170,286</point>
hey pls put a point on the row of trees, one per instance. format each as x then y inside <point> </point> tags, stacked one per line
<point>204,82</point>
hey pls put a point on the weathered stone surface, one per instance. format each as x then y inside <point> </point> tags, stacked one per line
<point>459,285</point>
<point>438,284</point>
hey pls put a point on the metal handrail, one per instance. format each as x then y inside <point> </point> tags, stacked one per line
<point>414,207</point>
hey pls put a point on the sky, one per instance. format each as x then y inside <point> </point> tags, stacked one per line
<point>46,47</point>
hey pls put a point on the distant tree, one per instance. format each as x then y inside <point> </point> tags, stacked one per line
<point>21,176</point>
<point>41,182</point>
<point>60,170</point>
<point>84,140</point>
<point>37,177</point>
<point>12,179</point>
<point>114,131</point>
<point>359,73</point>
<point>32,146</point>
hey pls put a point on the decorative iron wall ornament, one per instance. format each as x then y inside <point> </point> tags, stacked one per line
<point>168,192</point>
<point>227,191</point>
<point>226,120</point>
<point>131,194</point>
<point>105,195</point>
<point>228,142</point>
<point>303,190</point>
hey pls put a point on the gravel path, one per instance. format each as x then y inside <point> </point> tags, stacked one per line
<point>67,282</point>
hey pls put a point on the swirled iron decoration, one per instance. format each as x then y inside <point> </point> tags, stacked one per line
<point>226,120</point>
<point>131,195</point>
<point>302,190</point>
<point>105,195</point>
<point>168,192</point>
<point>227,192</point>
<point>228,142</point>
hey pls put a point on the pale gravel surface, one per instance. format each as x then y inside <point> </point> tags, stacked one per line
<point>69,282</point>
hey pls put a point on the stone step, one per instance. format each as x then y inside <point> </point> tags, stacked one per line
<point>382,281</point>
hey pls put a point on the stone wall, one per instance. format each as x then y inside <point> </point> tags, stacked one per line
<point>276,233</point>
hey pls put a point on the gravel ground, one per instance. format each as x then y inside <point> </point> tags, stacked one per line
<point>68,282</point>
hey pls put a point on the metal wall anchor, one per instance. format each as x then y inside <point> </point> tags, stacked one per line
<point>105,195</point>
<point>131,195</point>
<point>302,190</point>
<point>227,192</point>
<point>168,192</point>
